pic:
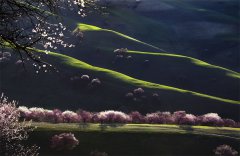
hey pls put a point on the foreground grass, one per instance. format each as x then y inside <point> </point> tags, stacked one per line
<point>227,132</point>
<point>137,139</point>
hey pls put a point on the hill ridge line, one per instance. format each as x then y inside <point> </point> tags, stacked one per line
<point>193,60</point>
<point>125,78</point>
<point>87,27</point>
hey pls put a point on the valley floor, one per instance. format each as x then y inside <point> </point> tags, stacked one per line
<point>137,139</point>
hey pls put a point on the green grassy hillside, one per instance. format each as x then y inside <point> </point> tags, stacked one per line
<point>128,139</point>
<point>169,69</point>
<point>207,31</point>
<point>56,90</point>
<point>86,27</point>
<point>129,80</point>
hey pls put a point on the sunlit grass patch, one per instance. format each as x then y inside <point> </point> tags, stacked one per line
<point>141,128</point>
<point>195,61</point>
<point>86,27</point>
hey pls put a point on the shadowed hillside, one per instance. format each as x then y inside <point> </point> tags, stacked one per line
<point>165,68</point>
<point>51,90</point>
<point>208,31</point>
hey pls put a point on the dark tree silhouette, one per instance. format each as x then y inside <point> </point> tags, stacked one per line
<point>26,24</point>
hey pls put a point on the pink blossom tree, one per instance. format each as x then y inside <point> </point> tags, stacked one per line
<point>70,116</point>
<point>178,117</point>
<point>225,150</point>
<point>112,117</point>
<point>210,119</point>
<point>12,132</point>
<point>159,118</point>
<point>64,141</point>
<point>136,117</point>
<point>85,115</point>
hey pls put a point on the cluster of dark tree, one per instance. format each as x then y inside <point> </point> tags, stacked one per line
<point>27,24</point>
<point>138,95</point>
<point>85,81</point>
<point>5,57</point>
<point>121,55</point>
<point>81,116</point>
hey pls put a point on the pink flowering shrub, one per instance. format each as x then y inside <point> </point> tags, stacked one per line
<point>85,115</point>
<point>136,117</point>
<point>229,123</point>
<point>37,114</point>
<point>225,150</point>
<point>70,116</point>
<point>159,117</point>
<point>237,124</point>
<point>12,132</point>
<point>64,141</point>
<point>182,118</point>
<point>58,117</point>
<point>112,117</point>
<point>188,119</point>
<point>24,112</point>
<point>178,117</point>
<point>210,119</point>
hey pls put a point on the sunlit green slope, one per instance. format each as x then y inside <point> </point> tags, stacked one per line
<point>57,90</point>
<point>206,31</point>
<point>129,80</point>
<point>169,69</point>
<point>86,27</point>
<point>194,61</point>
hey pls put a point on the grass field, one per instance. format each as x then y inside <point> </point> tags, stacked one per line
<point>138,139</point>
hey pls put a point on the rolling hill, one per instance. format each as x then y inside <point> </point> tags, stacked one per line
<point>207,31</point>
<point>56,90</point>
<point>168,69</point>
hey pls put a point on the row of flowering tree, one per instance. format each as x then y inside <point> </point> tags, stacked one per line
<point>81,116</point>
